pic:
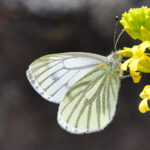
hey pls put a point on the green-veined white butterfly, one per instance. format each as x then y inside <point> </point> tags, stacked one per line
<point>86,85</point>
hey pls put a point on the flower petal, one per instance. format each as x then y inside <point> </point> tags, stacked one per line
<point>124,66</point>
<point>136,76</point>
<point>144,64</point>
<point>126,52</point>
<point>134,64</point>
<point>144,45</point>
<point>143,106</point>
<point>146,92</point>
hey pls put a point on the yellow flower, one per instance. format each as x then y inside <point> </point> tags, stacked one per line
<point>137,23</point>
<point>146,92</point>
<point>143,106</point>
<point>145,95</point>
<point>139,61</point>
<point>136,76</point>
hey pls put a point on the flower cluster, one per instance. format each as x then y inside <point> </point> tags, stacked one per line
<point>137,24</point>
<point>145,94</point>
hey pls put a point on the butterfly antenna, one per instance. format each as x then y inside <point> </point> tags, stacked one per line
<point>114,41</point>
<point>122,31</point>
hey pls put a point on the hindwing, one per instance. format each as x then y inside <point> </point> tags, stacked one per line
<point>90,104</point>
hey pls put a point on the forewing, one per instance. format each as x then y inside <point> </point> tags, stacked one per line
<point>90,104</point>
<point>53,75</point>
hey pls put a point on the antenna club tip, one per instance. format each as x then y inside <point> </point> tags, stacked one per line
<point>116,18</point>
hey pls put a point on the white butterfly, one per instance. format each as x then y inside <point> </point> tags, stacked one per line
<point>86,85</point>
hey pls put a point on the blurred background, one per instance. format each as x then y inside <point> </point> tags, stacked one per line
<point>33,28</point>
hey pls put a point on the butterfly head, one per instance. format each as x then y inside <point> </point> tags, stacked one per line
<point>117,57</point>
<point>115,60</point>
<point>114,57</point>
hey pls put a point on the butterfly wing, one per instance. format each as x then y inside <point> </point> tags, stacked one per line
<point>90,104</point>
<point>53,75</point>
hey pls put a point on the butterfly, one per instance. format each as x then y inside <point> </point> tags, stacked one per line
<point>85,85</point>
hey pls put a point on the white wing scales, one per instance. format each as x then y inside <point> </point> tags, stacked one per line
<point>53,75</point>
<point>90,104</point>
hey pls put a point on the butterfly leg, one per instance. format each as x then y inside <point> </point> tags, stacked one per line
<point>124,76</point>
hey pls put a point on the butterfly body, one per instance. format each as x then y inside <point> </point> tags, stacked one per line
<point>86,85</point>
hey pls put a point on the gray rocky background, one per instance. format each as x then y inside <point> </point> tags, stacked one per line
<point>33,28</point>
